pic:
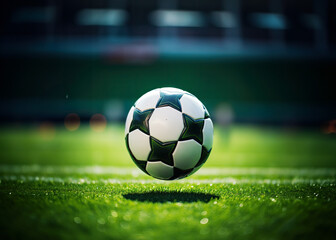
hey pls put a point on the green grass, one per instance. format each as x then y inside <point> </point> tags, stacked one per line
<point>238,146</point>
<point>259,183</point>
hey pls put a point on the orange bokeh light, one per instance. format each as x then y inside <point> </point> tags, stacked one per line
<point>331,127</point>
<point>72,121</point>
<point>47,130</point>
<point>98,122</point>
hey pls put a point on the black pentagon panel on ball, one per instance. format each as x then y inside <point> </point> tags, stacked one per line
<point>140,164</point>
<point>204,156</point>
<point>170,99</point>
<point>179,173</point>
<point>193,129</point>
<point>195,169</point>
<point>140,120</point>
<point>161,151</point>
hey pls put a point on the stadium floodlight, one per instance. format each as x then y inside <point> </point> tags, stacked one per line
<point>177,18</point>
<point>102,17</point>
<point>268,20</point>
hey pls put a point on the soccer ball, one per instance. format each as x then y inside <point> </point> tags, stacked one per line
<point>169,133</point>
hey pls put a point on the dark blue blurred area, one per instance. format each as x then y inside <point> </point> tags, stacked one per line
<point>261,61</point>
<point>216,29</point>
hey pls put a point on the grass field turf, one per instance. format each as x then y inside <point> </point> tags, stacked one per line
<point>259,183</point>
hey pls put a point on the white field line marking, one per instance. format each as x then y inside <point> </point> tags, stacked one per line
<point>101,170</point>
<point>233,181</point>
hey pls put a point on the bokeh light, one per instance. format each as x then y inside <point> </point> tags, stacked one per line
<point>72,122</point>
<point>98,122</point>
<point>224,114</point>
<point>46,130</point>
<point>331,127</point>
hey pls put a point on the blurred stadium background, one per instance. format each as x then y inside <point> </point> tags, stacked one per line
<point>71,69</point>
<point>261,61</point>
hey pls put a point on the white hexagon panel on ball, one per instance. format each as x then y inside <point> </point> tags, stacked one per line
<point>129,120</point>
<point>139,144</point>
<point>192,106</point>
<point>148,100</point>
<point>160,170</point>
<point>208,134</point>
<point>187,153</point>
<point>172,90</point>
<point>166,124</point>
